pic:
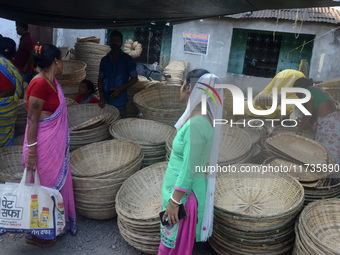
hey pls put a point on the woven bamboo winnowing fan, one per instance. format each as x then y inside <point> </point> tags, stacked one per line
<point>298,149</point>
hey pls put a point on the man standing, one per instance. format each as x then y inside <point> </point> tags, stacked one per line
<point>117,72</point>
<point>24,56</point>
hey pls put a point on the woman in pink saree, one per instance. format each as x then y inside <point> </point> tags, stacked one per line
<point>46,144</point>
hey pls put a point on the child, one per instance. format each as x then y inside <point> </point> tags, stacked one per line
<point>86,93</point>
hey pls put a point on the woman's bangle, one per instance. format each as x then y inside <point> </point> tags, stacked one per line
<point>172,205</point>
<point>173,200</point>
<point>32,154</point>
<point>30,145</point>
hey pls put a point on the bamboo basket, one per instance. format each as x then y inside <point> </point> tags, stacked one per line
<point>20,124</point>
<point>73,73</point>
<point>160,104</point>
<point>318,228</point>
<point>150,135</point>
<point>87,114</point>
<point>255,213</point>
<point>298,149</point>
<point>97,181</point>
<point>91,53</point>
<point>11,164</point>
<point>138,203</point>
<point>235,146</point>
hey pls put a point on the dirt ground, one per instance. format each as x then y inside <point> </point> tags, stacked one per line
<point>94,238</point>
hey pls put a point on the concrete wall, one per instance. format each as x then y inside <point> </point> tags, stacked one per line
<point>68,37</point>
<point>325,64</point>
<point>8,29</point>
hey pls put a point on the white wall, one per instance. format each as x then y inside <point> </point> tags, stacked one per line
<point>325,64</point>
<point>68,37</point>
<point>8,29</point>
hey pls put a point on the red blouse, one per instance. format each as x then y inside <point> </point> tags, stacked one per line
<point>41,89</point>
<point>5,82</point>
<point>93,100</point>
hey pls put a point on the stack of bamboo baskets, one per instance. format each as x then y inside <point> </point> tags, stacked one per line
<point>318,229</point>
<point>306,160</point>
<point>148,134</point>
<point>131,109</point>
<point>160,103</point>
<point>11,164</point>
<point>138,204</point>
<point>98,171</point>
<point>89,123</point>
<point>20,123</point>
<point>91,53</point>
<point>73,73</point>
<point>178,71</point>
<point>255,213</point>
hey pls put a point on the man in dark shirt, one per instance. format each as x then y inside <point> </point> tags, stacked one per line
<point>117,72</point>
<point>24,56</point>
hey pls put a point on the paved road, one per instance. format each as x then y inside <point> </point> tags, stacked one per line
<point>94,238</point>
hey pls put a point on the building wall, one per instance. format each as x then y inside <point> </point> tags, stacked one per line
<point>8,29</point>
<point>324,63</point>
<point>68,37</point>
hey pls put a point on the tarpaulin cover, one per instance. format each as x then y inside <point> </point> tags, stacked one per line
<point>131,13</point>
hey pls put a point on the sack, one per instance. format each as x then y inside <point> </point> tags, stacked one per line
<point>31,208</point>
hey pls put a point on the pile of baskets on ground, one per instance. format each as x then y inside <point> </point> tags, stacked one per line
<point>138,204</point>
<point>300,157</point>
<point>255,213</point>
<point>318,229</point>
<point>160,103</point>
<point>98,171</point>
<point>11,164</point>
<point>148,134</point>
<point>89,123</point>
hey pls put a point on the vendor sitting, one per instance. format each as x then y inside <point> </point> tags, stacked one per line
<point>86,93</point>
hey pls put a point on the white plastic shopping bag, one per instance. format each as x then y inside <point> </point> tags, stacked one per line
<point>31,208</point>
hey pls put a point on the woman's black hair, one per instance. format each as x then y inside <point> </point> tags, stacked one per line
<point>116,33</point>
<point>89,85</point>
<point>45,54</point>
<point>303,83</point>
<point>7,47</point>
<point>194,74</point>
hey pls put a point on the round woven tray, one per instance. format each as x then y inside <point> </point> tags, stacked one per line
<point>160,103</point>
<point>11,164</point>
<point>257,198</point>
<point>80,114</point>
<point>87,161</point>
<point>73,72</point>
<point>150,135</point>
<point>235,146</point>
<point>318,227</point>
<point>255,212</point>
<point>298,149</point>
<point>142,132</point>
<point>138,217</point>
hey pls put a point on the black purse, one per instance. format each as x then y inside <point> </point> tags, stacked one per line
<point>182,214</point>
